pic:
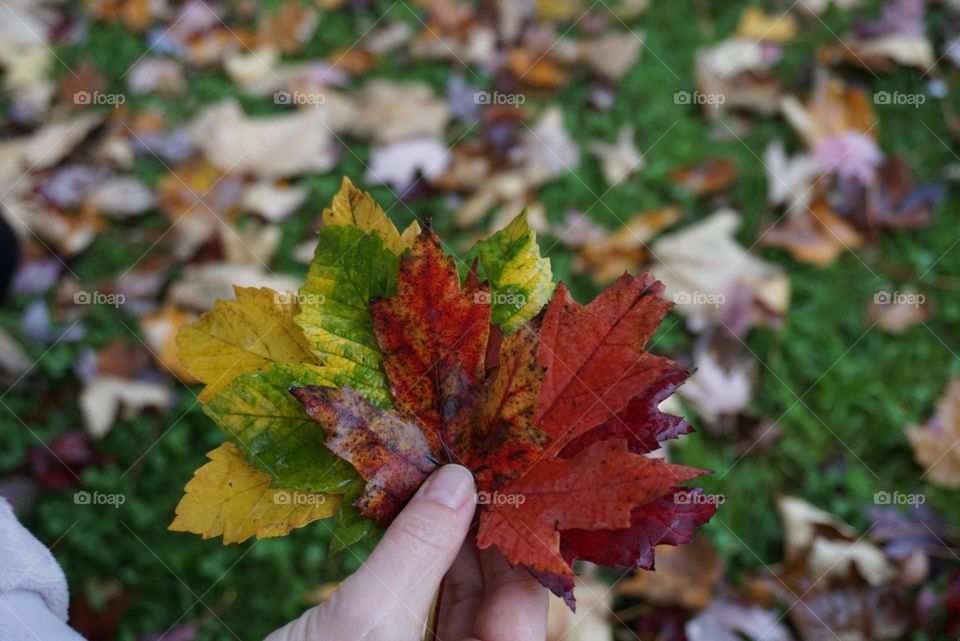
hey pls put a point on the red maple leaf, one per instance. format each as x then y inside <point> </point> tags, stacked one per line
<point>555,420</point>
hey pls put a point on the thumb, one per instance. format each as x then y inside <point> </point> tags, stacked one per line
<point>405,570</point>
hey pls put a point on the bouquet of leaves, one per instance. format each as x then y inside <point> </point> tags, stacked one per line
<point>394,358</point>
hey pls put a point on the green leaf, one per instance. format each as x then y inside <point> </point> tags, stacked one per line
<point>349,526</point>
<point>521,281</point>
<point>275,435</point>
<point>349,268</point>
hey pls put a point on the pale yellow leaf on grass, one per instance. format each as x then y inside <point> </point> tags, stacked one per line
<point>243,335</point>
<point>354,207</point>
<point>756,25</point>
<point>936,445</point>
<point>229,497</point>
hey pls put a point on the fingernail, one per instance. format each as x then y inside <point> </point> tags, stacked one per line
<point>450,486</point>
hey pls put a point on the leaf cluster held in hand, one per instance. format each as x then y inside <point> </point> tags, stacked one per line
<point>407,360</point>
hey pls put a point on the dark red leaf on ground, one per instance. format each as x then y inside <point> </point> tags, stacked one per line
<point>57,465</point>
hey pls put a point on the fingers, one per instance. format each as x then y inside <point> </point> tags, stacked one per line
<point>462,594</point>
<point>515,606</point>
<point>418,548</point>
<point>389,597</point>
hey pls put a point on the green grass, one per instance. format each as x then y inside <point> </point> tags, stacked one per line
<point>840,393</point>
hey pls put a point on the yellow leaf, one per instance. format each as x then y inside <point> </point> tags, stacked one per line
<point>756,25</point>
<point>356,208</point>
<point>560,9</point>
<point>229,497</point>
<point>243,335</point>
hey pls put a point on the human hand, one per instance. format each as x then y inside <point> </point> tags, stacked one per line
<point>389,597</point>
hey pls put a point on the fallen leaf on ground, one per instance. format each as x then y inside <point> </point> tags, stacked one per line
<point>717,390</point>
<point>701,263</point>
<point>897,37</point>
<point>547,150</point>
<point>156,75</point>
<point>606,256</point>
<point>914,538</point>
<point>253,243</point>
<point>13,360</point>
<point>734,74</point>
<point>160,330</point>
<point>390,112</point>
<point>885,53</point>
<point>196,197</point>
<point>399,164</point>
<point>935,445</point>
<point>26,57</point>
<point>728,620</point>
<point>754,24</point>
<point>201,285</point>
<point>686,576</point>
<point>104,397</point>
<point>55,141</point>
<point>838,124</point>
<point>619,160</point>
<point>828,546</point>
<point>895,315</point>
<point>815,234</point>
<point>835,582</point>
<point>612,55</point>
<point>121,197</point>
<point>287,28</point>
<point>57,464</point>
<point>269,146</point>
<point>709,177</point>
<point>272,201</point>
<point>896,200</point>
<point>790,179</point>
